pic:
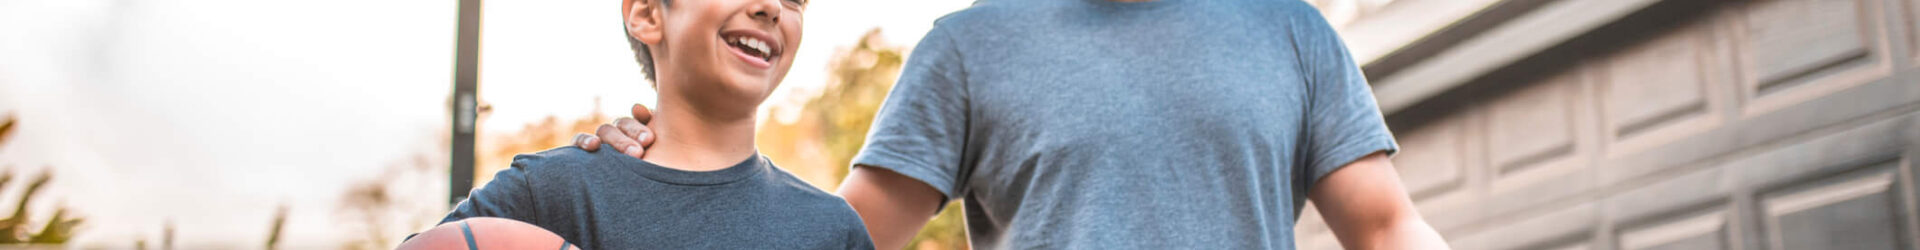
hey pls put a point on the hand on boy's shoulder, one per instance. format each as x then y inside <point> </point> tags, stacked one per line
<point>628,135</point>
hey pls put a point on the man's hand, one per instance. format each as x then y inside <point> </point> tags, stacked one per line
<point>1367,208</point>
<point>629,135</point>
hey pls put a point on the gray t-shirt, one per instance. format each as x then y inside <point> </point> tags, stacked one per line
<point>606,200</point>
<point>1089,124</point>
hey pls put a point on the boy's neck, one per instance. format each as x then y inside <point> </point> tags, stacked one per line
<point>685,139</point>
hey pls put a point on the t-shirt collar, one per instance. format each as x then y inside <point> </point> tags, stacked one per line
<point>753,165</point>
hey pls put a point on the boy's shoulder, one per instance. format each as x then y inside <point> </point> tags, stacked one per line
<point>819,207</point>
<point>809,197</point>
<point>561,163</point>
<point>787,182</point>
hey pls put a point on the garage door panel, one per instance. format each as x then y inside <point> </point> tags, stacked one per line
<point>1859,210</point>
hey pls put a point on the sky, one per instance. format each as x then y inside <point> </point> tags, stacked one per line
<point>547,58</point>
<point>207,115</point>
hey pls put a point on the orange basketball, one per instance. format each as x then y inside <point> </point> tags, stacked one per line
<point>483,233</point>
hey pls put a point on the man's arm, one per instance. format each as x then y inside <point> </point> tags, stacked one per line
<point>1367,208</point>
<point>893,206</point>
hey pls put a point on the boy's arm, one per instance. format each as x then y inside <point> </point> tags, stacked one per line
<point>1367,208</point>
<point>506,196</point>
<point>893,206</point>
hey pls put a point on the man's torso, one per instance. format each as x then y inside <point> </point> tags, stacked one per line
<point>1167,124</point>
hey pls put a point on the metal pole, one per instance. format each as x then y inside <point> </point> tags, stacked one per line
<point>466,75</point>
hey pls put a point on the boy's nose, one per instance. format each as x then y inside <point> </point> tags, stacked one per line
<point>766,10</point>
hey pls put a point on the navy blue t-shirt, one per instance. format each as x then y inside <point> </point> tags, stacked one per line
<point>607,200</point>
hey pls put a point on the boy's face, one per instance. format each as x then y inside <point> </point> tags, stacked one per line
<point>719,52</point>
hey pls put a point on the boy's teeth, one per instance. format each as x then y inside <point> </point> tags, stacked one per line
<point>755,44</point>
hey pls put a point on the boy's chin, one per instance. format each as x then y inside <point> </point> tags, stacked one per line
<point>749,82</point>
<point>741,88</point>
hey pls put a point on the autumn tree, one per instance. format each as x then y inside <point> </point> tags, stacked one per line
<point>832,126</point>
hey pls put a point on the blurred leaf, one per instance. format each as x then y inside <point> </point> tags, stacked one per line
<point>6,128</point>
<point>14,229</point>
<point>279,224</point>
<point>59,229</point>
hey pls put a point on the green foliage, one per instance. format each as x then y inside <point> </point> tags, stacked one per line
<point>17,229</point>
<point>858,83</point>
<point>832,126</point>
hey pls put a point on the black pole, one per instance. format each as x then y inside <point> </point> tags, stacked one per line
<point>466,74</point>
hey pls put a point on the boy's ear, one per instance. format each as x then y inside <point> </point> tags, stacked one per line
<point>643,20</point>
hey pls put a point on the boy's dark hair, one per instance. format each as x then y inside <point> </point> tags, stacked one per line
<point>641,53</point>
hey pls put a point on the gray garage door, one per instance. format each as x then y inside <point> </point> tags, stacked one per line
<point>1757,125</point>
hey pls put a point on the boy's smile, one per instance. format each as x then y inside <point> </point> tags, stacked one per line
<point>750,42</point>
<point>721,57</point>
<point>755,48</point>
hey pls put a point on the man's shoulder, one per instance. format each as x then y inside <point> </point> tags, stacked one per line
<point>1001,15</point>
<point>989,14</point>
<point>1288,6</point>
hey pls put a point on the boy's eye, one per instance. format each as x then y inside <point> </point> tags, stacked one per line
<point>799,2</point>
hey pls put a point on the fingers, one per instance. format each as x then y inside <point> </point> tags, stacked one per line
<point>587,141</point>
<point>620,140</point>
<point>641,113</point>
<point>636,129</point>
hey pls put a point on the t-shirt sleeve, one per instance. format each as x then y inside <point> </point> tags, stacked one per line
<point>920,130</point>
<point>1343,122</point>
<point>506,196</point>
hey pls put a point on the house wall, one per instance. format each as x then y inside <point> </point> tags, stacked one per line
<point>1751,125</point>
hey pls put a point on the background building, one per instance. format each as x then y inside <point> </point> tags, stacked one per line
<point>1646,124</point>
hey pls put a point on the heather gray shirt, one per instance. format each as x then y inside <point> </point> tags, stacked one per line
<point>606,200</point>
<point>1089,124</point>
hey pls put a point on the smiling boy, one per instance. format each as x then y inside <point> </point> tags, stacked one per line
<point>704,186</point>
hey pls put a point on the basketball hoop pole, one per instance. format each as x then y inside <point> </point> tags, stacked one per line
<point>466,72</point>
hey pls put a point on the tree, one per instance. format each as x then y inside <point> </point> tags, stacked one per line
<point>832,126</point>
<point>16,229</point>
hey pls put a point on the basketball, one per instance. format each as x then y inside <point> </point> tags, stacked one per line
<point>485,233</point>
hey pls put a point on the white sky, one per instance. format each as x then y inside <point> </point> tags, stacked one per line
<point>210,113</point>
<point>553,57</point>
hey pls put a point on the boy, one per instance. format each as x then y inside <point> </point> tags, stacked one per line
<point>1129,124</point>
<point>704,186</point>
